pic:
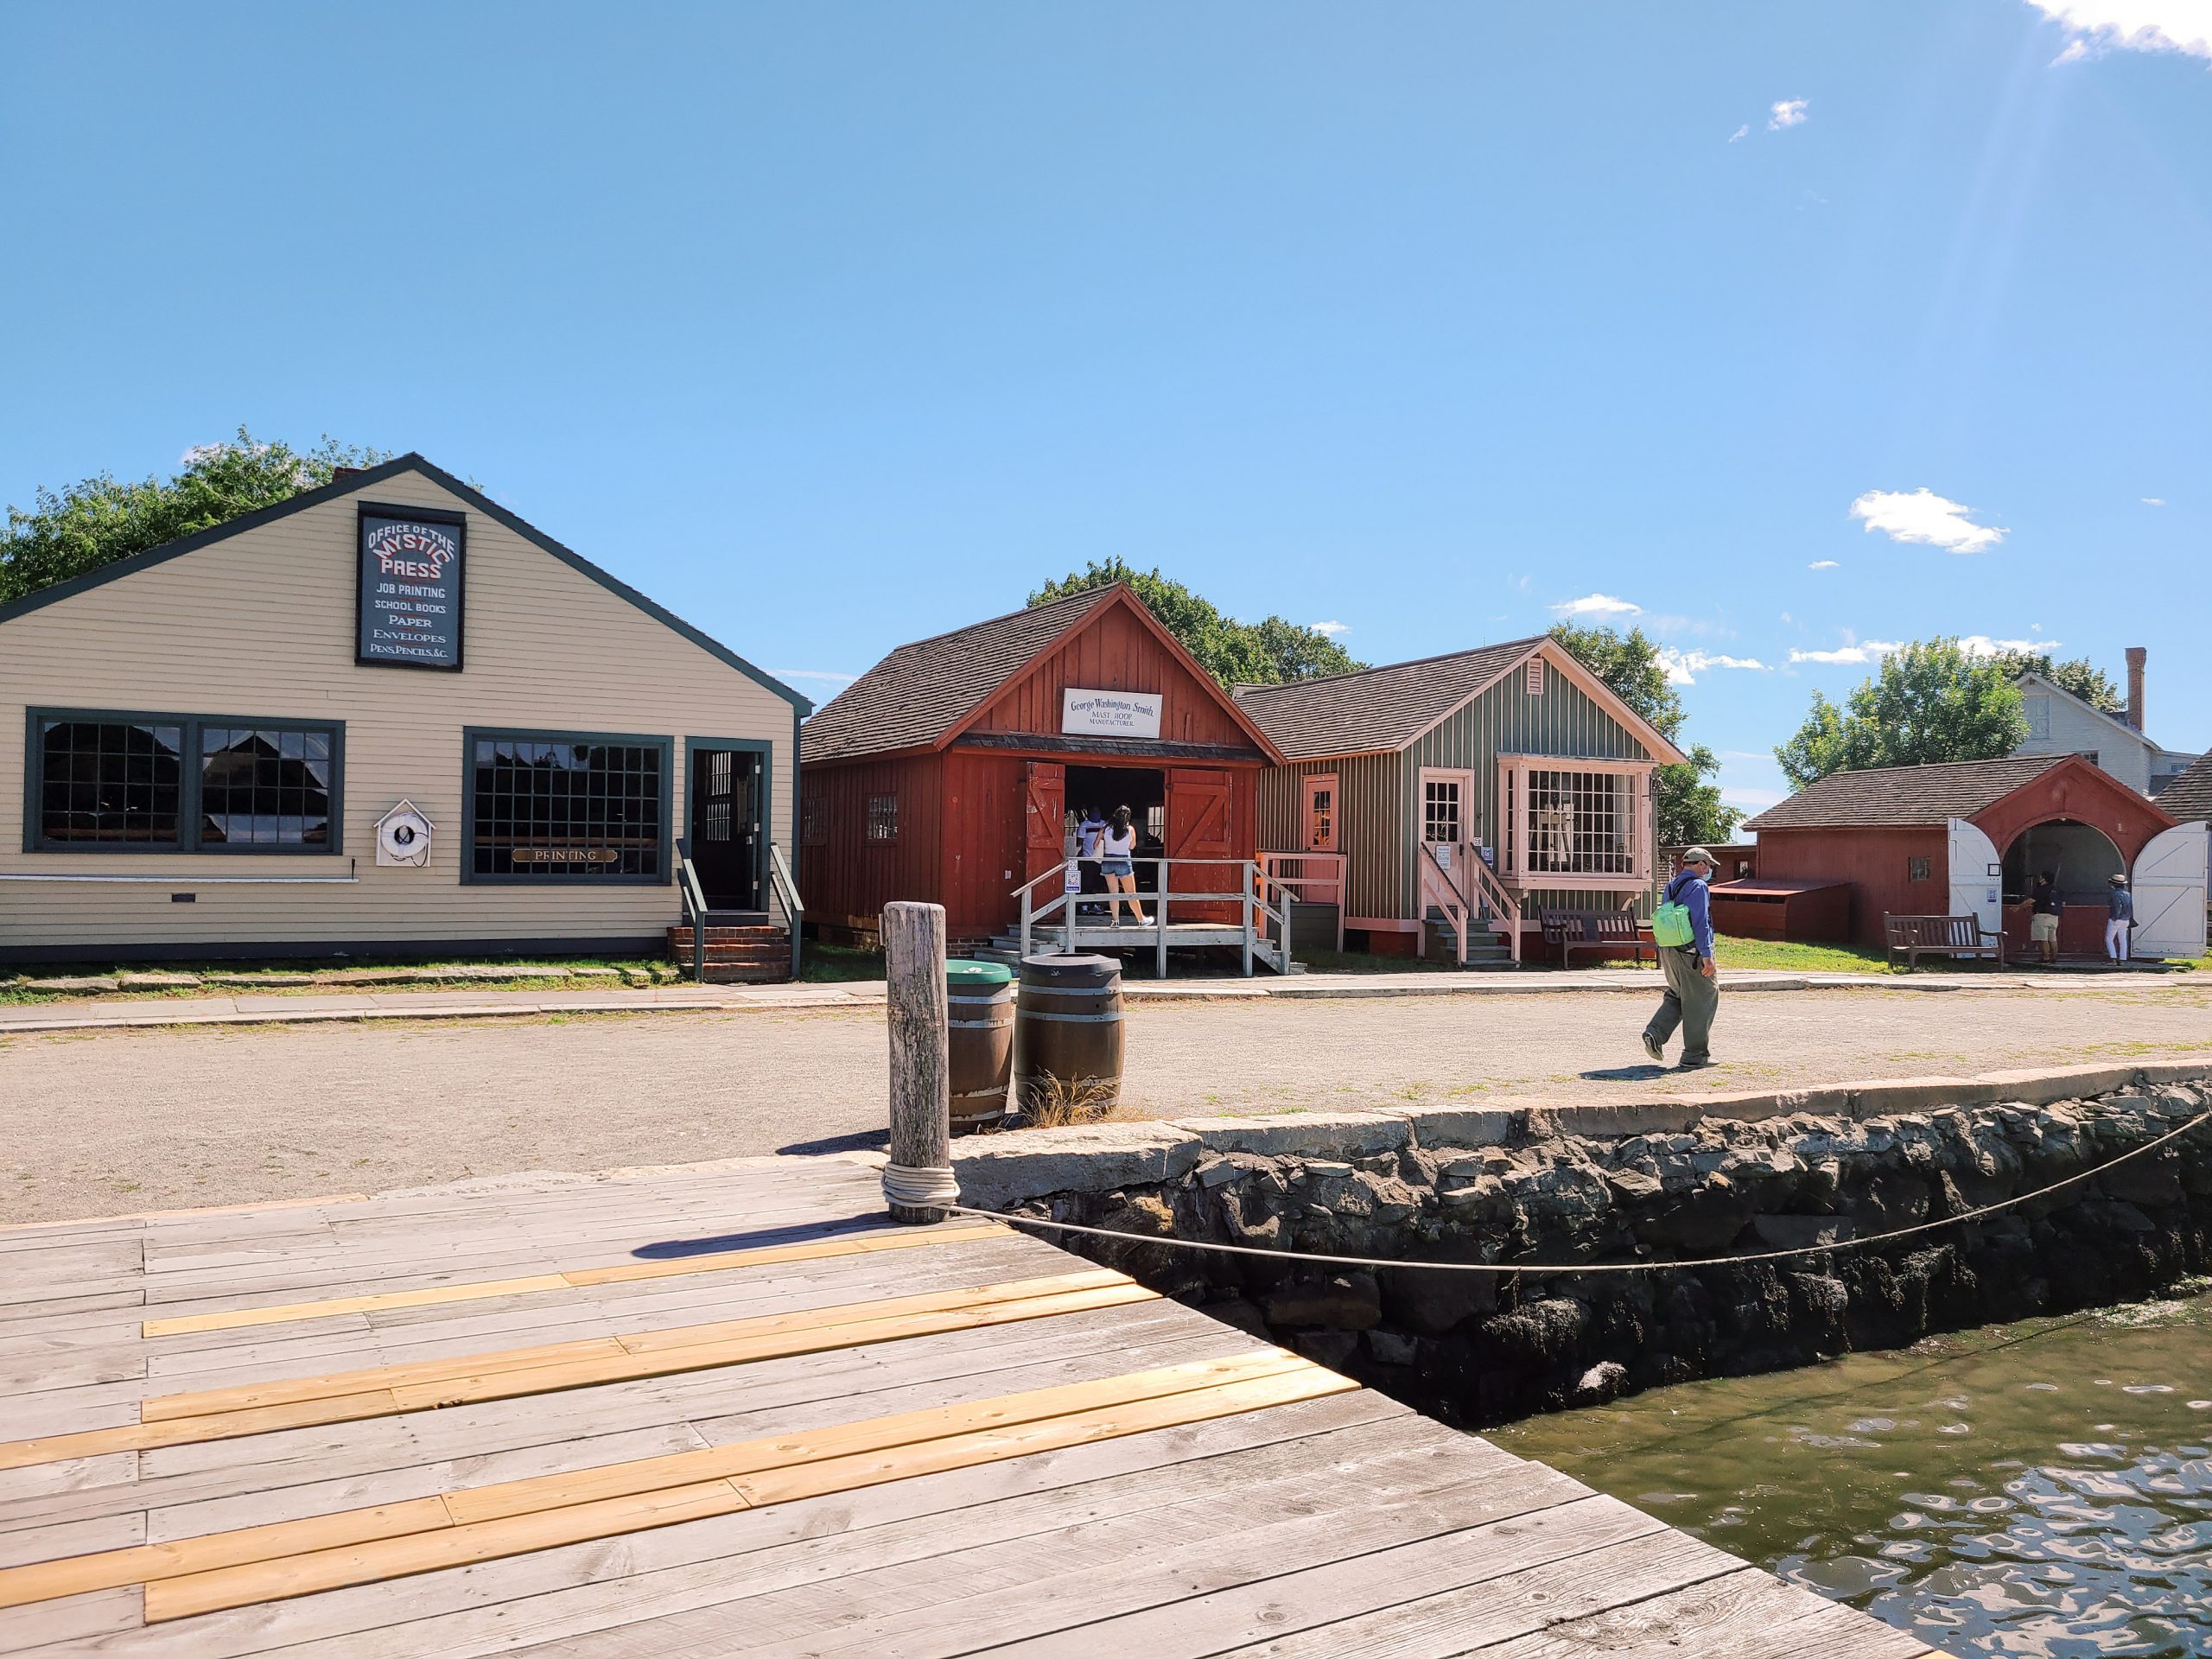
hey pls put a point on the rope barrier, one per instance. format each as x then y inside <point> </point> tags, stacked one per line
<point>920,1186</point>
<point>1588,1267</point>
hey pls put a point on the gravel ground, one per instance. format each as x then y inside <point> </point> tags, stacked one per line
<point>97,1123</point>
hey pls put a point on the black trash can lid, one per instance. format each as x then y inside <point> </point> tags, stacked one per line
<point>975,976</point>
<point>1078,967</point>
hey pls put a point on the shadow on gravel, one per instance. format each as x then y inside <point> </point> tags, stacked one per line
<point>865,1141</point>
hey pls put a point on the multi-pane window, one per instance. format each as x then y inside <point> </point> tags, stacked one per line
<point>111,782</point>
<point>1582,823</point>
<point>716,817</point>
<point>568,808</point>
<point>1919,870</point>
<point>883,818</point>
<point>183,783</point>
<point>813,821</point>
<point>1439,810</point>
<point>262,786</point>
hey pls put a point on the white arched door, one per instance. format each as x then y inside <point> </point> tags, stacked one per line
<point>1977,876</point>
<point>2168,880</point>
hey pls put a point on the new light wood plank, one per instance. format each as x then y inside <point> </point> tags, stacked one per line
<point>425,1552</point>
<point>208,1401</point>
<point>624,1272</point>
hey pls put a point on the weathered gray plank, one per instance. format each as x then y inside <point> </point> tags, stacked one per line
<point>1747,1615</point>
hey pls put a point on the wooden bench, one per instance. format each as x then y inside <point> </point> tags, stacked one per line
<point>1942,936</point>
<point>1605,930</point>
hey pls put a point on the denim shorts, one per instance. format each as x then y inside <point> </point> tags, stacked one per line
<point>1116,867</point>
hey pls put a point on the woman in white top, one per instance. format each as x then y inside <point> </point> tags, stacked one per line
<point>1117,848</point>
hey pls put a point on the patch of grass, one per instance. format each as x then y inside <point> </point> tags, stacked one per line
<point>325,974</point>
<point>1782,956</point>
<point>834,964</point>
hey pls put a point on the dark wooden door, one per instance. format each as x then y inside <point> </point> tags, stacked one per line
<point>1045,822</point>
<point>1201,824</point>
<point>726,827</point>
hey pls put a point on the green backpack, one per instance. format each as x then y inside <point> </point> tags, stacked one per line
<point>1670,922</point>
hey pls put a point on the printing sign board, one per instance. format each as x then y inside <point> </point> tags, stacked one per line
<point>1109,714</point>
<point>409,588</point>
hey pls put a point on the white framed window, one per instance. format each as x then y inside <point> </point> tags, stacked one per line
<point>1575,823</point>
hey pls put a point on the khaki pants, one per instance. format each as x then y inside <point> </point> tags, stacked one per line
<point>1691,1001</point>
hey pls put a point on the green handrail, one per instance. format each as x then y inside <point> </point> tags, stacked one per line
<point>786,890</point>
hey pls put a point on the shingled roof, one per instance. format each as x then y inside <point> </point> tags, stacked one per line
<point>2189,797</point>
<point>922,692</point>
<point>1377,709</point>
<point>1905,795</point>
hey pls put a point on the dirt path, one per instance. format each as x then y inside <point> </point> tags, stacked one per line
<point>97,1124</point>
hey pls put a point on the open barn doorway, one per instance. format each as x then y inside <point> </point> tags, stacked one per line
<point>2085,861</point>
<point>1143,789</point>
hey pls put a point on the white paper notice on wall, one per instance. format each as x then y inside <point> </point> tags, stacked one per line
<point>1109,714</point>
<point>404,837</point>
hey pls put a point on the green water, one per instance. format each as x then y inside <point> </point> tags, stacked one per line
<point>2042,1489</point>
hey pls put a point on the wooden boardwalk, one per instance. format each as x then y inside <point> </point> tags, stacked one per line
<point>726,1411</point>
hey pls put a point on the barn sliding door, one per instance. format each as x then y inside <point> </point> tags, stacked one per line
<point>2169,883</point>
<point>1201,824</point>
<point>1976,877</point>
<point>1044,821</point>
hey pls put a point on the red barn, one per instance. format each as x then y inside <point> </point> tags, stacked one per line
<point>947,772</point>
<point>1967,837</point>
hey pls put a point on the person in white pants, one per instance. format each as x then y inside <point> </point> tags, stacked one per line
<point>2120,920</point>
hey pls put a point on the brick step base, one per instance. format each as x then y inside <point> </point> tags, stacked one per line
<point>748,972</point>
<point>679,938</point>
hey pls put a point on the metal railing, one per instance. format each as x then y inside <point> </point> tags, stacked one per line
<point>1256,936</point>
<point>784,891</point>
<point>1290,871</point>
<point>694,900</point>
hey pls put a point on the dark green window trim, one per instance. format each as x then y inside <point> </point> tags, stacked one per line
<point>470,736</point>
<point>189,799</point>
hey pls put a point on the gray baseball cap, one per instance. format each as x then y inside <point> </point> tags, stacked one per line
<point>1698,855</point>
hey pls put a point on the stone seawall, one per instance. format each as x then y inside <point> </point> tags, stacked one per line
<point>1648,1183</point>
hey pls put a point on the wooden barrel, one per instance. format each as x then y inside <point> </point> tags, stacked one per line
<point>1068,1042</point>
<point>979,998</point>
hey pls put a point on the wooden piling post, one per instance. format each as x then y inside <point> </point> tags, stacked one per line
<point>918,1181</point>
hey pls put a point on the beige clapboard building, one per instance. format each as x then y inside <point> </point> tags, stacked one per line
<point>389,717</point>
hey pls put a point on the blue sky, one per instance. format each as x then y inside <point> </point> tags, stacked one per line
<point>832,325</point>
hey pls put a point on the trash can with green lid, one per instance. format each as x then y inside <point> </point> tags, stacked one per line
<point>980,1014</point>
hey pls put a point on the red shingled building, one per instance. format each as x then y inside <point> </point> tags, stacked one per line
<point>1967,839</point>
<point>947,772</point>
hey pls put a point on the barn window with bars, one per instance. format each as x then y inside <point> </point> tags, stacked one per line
<point>883,818</point>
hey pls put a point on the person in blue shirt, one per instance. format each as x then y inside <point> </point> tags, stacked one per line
<point>1693,983</point>
<point>2120,917</point>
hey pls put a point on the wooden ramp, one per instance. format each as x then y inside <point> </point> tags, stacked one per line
<point>734,1412</point>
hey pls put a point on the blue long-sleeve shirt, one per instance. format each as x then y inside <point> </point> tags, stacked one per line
<point>1688,890</point>
<point>2120,905</point>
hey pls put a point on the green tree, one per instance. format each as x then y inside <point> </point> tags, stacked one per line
<point>1932,701</point>
<point>100,520</point>
<point>1236,654</point>
<point>2077,674</point>
<point>1689,806</point>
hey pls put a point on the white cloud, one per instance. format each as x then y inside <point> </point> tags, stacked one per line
<point>2095,27</point>
<point>829,674</point>
<point>1742,132</point>
<point>1332,629</point>
<point>1596,605</point>
<point>1980,645</point>
<point>1922,515</point>
<point>2154,500</point>
<point>1756,799</point>
<point>1790,113</point>
<point>1866,651</point>
<point>1684,666</point>
<point>1821,565</point>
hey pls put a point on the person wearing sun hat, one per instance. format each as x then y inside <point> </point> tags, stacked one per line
<point>2119,918</point>
<point>1692,983</point>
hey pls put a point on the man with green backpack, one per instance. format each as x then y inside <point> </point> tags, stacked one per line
<point>1681,926</point>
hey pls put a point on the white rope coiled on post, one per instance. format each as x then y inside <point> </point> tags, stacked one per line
<point>924,1186</point>
<point>1832,1248</point>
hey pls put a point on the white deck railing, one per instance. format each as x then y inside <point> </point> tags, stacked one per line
<point>1261,930</point>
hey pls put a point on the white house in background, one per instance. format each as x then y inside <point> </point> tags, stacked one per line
<point>2061,723</point>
